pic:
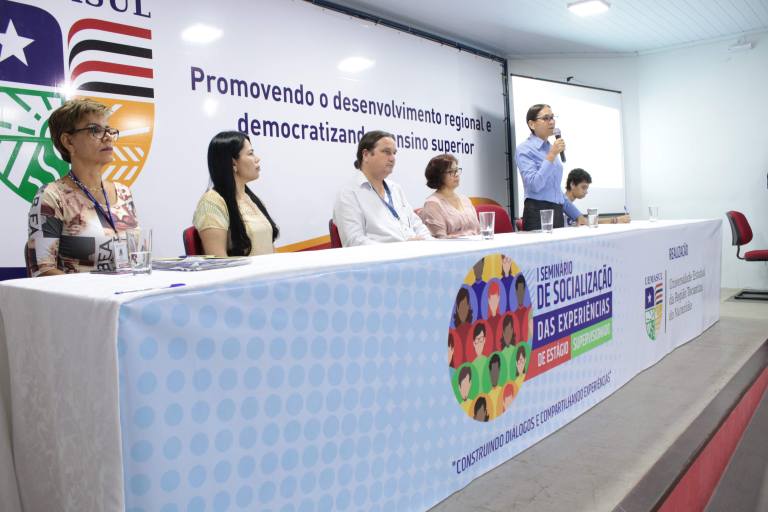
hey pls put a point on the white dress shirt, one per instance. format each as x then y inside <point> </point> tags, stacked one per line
<point>362,217</point>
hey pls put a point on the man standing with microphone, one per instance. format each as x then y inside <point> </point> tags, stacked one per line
<point>540,164</point>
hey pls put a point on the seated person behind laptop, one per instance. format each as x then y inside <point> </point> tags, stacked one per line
<point>577,186</point>
<point>370,210</point>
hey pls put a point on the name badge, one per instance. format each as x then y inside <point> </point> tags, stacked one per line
<point>120,247</point>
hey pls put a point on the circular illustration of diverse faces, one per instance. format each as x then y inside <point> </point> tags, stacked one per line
<point>489,338</point>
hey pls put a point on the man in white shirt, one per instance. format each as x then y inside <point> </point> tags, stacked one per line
<point>371,210</point>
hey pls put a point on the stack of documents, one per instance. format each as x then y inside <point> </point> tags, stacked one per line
<point>195,263</point>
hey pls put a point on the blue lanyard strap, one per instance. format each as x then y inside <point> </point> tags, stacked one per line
<point>388,203</point>
<point>108,214</point>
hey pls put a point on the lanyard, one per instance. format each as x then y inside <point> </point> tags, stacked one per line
<point>388,203</point>
<point>108,214</point>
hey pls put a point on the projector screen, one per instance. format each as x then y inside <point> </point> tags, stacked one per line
<point>590,122</point>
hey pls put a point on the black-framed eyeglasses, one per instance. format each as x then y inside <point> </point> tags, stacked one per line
<point>99,132</point>
<point>454,172</point>
<point>547,118</point>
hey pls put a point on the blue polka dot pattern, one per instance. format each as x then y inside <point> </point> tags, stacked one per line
<point>317,392</point>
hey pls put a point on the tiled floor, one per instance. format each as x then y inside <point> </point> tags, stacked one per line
<point>592,463</point>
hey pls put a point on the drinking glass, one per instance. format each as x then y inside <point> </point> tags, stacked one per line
<point>487,223</point>
<point>140,250</point>
<point>592,217</point>
<point>547,217</point>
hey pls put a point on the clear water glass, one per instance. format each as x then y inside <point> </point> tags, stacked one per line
<point>547,218</point>
<point>140,250</point>
<point>592,217</point>
<point>487,223</point>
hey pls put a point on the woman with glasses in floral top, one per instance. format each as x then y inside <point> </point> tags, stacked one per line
<point>76,223</point>
<point>447,213</point>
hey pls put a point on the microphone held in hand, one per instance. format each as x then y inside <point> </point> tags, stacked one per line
<point>557,136</point>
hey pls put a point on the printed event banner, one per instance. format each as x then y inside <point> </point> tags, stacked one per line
<point>302,81</point>
<point>391,386</point>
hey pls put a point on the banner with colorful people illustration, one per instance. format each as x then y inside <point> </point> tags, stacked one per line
<point>489,340</point>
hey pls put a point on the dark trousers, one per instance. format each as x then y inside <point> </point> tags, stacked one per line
<point>532,219</point>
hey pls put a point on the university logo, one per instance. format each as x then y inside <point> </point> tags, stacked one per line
<point>654,305</point>
<point>102,60</point>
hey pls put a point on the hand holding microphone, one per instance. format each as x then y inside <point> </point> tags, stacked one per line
<point>559,145</point>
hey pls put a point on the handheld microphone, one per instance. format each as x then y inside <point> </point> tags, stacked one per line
<point>557,136</point>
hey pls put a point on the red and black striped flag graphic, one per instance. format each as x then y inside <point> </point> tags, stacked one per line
<point>112,58</point>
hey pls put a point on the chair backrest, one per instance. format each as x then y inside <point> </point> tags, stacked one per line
<point>193,245</point>
<point>741,232</point>
<point>502,222</point>
<point>26,259</point>
<point>334,232</point>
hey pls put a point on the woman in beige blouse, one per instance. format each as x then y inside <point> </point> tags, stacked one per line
<point>446,213</point>
<point>231,220</point>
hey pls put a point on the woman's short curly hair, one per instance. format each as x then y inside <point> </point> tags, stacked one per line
<point>437,168</point>
<point>65,118</point>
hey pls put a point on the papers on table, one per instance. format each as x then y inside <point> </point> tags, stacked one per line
<point>196,263</point>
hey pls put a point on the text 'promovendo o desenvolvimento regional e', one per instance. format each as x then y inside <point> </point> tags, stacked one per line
<point>326,131</point>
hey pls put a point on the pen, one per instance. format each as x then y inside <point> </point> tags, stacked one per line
<point>174,285</point>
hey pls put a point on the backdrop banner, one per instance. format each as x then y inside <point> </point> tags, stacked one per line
<point>303,82</point>
<point>391,386</point>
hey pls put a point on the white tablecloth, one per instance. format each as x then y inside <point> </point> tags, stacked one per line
<point>60,415</point>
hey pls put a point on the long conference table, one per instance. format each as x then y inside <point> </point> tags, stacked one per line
<point>368,378</point>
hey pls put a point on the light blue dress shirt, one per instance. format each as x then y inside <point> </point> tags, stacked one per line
<point>362,217</point>
<point>541,178</point>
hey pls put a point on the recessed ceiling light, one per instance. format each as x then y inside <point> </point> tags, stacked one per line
<point>588,7</point>
<point>201,34</point>
<point>740,47</point>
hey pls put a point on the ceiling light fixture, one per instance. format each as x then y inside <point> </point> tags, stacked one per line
<point>588,7</point>
<point>740,46</point>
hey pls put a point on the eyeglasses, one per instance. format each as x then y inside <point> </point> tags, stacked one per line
<point>547,118</point>
<point>99,132</point>
<point>454,172</point>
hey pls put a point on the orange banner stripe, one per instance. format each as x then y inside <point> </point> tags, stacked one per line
<point>313,244</point>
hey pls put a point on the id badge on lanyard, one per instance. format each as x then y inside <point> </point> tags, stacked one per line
<point>118,259</point>
<point>120,251</point>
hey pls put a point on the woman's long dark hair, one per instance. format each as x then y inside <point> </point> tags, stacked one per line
<point>223,148</point>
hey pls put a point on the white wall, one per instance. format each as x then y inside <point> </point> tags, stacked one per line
<point>703,146</point>
<point>693,135</point>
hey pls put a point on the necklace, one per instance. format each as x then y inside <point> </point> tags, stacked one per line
<point>92,189</point>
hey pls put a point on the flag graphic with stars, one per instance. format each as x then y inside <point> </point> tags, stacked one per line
<point>38,67</point>
<point>31,48</point>
<point>654,309</point>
